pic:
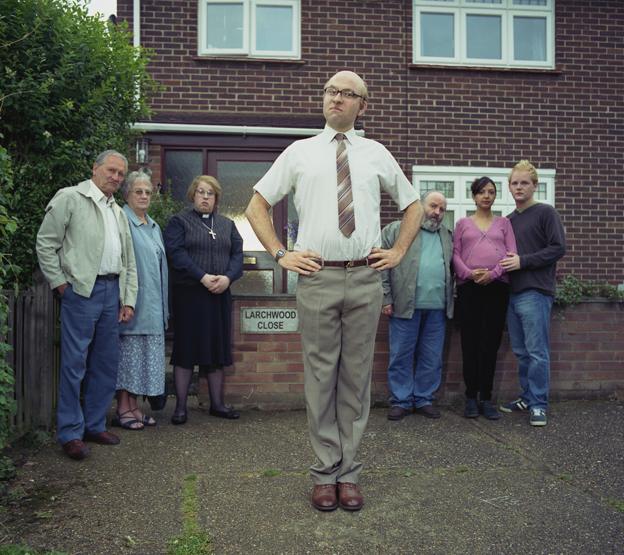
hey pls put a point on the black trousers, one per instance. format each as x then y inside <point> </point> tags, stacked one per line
<point>482,312</point>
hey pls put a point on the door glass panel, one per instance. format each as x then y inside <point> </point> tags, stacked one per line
<point>237,179</point>
<point>254,282</point>
<point>181,167</point>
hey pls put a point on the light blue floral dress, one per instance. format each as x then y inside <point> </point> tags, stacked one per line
<point>142,340</point>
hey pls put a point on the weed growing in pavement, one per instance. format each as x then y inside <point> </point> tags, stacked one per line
<point>271,472</point>
<point>193,540</point>
<point>617,504</point>
<point>25,550</point>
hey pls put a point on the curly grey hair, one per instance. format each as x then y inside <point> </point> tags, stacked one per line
<point>132,178</point>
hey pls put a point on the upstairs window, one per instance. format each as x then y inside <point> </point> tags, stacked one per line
<point>254,28</point>
<point>498,33</point>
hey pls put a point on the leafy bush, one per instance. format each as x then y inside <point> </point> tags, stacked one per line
<point>8,226</point>
<point>571,290</point>
<point>68,90</point>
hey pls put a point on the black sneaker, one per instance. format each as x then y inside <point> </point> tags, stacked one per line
<point>519,405</point>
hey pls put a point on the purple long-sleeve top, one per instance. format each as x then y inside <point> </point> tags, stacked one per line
<point>474,248</point>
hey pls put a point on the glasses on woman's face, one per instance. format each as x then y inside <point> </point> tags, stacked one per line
<point>141,192</point>
<point>204,193</point>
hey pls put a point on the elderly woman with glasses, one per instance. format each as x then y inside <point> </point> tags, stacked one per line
<point>142,340</point>
<point>480,242</point>
<point>205,254</point>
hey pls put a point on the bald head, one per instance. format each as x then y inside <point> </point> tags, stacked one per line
<point>434,206</point>
<point>360,86</point>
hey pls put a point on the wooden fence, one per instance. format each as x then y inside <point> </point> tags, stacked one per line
<point>35,336</point>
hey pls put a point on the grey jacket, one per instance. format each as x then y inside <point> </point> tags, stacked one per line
<point>399,283</point>
<point>70,244</point>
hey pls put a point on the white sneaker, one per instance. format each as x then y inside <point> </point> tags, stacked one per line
<point>538,417</point>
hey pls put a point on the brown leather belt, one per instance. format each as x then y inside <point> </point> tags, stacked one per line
<point>343,263</point>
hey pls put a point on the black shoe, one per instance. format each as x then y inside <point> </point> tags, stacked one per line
<point>428,411</point>
<point>488,409</point>
<point>178,419</point>
<point>229,413</point>
<point>472,408</point>
<point>157,402</point>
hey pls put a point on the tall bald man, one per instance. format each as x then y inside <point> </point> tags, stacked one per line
<point>336,179</point>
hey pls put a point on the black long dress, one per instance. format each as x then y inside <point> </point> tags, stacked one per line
<point>202,321</point>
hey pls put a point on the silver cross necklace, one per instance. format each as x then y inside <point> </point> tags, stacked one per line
<point>208,227</point>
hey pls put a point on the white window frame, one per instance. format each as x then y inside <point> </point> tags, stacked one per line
<point>248,49</point>
<point>462,205</point>
<point>506,10</point>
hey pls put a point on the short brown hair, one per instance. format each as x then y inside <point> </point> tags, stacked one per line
<point>525,166</point>
<point>208,180</point>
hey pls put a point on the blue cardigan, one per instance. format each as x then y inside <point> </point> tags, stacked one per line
<point>151,312</point>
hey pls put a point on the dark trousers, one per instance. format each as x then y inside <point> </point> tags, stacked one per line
<point>482,312</point>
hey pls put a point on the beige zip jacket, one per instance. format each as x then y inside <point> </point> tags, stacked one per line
<point>70,243</point>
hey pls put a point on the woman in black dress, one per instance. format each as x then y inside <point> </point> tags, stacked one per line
<point>205,253</point>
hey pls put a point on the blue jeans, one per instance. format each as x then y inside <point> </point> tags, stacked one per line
<point>89,356</point>
<point>528,322</point>
<point>415,366</point>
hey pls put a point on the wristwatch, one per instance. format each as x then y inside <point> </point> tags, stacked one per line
<point>279,254</point>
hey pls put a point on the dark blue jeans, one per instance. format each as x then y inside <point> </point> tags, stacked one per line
<point>415,366</point>
<point>89,356</point>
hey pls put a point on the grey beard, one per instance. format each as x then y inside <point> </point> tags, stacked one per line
<point>430,225</point>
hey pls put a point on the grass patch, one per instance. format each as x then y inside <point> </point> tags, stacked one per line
<point>193,540</point>
<point>565,477</point>
<point>271,472</point>
<point>617,504</point>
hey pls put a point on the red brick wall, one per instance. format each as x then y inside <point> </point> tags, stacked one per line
<point>570,119</point>
<point>587,359</point>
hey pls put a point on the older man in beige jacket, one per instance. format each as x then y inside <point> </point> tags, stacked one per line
<point>85,252</point>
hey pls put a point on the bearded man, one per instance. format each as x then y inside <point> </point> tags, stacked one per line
<point>418,298</point>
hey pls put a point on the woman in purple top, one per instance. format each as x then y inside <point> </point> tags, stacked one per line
<point>480,241</point>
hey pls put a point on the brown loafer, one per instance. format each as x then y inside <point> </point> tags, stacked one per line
<point>324,497</point>
<point>76,449</point>
<point>103,438</point>
<point>428,411</point>
<point>349,496</point>
<point>397,413</point>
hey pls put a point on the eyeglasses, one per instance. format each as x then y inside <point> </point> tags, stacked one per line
<point>140,192</point>
<point>345,93</point>
<point>203,193</point>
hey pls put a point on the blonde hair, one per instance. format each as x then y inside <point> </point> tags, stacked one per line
<point>525,166</point>
<point>208,180</point>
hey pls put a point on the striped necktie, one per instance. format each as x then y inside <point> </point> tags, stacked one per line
<point>346,216</point>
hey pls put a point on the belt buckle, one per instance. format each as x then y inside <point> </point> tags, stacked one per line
<point>349,264</point>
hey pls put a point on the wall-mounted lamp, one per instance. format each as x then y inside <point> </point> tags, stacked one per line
<point>142,150</point>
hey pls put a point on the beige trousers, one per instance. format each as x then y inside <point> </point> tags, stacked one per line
<point>338,315</point>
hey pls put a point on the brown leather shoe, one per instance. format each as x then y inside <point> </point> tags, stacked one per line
<point>349,496</point>
<point>76,449</point>
<point>428,411</point>
<point>397,413</point>
<point>324,497</point>
<point>103,438</point>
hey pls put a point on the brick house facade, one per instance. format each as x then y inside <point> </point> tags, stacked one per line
<point>439,120</point>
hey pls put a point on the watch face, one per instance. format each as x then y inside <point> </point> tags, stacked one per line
<point>279,254</point>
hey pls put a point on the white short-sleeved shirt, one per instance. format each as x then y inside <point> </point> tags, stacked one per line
<point>307,169</point>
